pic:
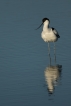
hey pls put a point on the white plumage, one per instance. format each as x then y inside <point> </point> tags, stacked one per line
<point>48,34</point>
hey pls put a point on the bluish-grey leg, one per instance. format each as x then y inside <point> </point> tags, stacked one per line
<point>54,52</point>
<point>49,52</point>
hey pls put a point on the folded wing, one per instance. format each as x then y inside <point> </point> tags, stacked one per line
<point>55,32</point>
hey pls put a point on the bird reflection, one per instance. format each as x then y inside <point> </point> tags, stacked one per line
<point>52,76</point>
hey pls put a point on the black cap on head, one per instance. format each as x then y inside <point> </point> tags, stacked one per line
<point>44,19</point>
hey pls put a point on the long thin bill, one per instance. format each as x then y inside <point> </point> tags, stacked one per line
<point>39,26</point>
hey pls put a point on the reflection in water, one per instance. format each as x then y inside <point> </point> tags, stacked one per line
<point>52,75</point>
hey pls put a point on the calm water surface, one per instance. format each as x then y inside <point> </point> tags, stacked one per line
<point>24,61</point>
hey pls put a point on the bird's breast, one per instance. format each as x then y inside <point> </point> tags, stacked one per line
<point>48,36</point>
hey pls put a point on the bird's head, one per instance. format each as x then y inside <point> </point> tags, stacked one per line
<point>44,21</point>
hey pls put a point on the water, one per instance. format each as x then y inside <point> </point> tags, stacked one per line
<point>24,55</point>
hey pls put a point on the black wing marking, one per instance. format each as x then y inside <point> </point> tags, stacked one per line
<point>55,32</point>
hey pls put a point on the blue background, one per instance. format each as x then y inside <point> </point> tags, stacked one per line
<point>24,55</point>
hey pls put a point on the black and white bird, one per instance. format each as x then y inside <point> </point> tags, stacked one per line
<point>49,34</point>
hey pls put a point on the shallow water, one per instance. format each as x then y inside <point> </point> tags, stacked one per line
<point>24,55</point>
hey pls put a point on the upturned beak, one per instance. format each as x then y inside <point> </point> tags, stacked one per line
<point>39,26</point>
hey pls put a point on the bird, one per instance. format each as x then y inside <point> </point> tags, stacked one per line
<point>49,34</point>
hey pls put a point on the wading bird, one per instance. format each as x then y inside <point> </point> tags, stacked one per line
<point>49,34</point>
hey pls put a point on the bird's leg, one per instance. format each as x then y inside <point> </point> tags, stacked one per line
<point>49,53</point>
<point>54,52</point>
